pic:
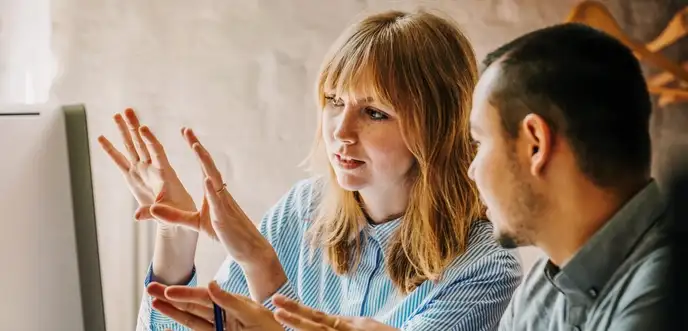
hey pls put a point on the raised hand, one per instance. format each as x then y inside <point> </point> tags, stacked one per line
<point>149,175</point>
<point>220,216</point>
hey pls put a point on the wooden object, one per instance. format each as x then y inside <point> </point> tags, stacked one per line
<point>595,14</point>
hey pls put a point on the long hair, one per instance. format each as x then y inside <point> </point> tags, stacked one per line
<point>424,67</point>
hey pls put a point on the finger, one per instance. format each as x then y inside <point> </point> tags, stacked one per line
<point>119,159</point>
<point>302,324</point>
<point>208,166</point>
<point>232,324</point>
<point>197,295</point>
<point>189,136</point>
<point>134,125</point>
<point>126,137</point>
<point>204,220</point>
<point>195,309</point>
<point>294,307</point>
<point>184,318</point>
<point>191,139</point>
<point>218,208</point>
<point>183,299</point>
<point>175,216</point>
<point>156,290</point>
<point>153,145</point>
<point>143,213</point>
<point>242,308</point>
<point>213,198</point>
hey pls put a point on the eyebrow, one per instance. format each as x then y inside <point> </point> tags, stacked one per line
<point>362,100</point>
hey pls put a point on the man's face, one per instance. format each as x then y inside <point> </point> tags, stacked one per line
<point>500,170</point>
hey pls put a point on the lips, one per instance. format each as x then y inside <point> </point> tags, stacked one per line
<point>347,162</point>
<point>345,158</point>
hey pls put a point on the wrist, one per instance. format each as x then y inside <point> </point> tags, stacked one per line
<point>267,274</point>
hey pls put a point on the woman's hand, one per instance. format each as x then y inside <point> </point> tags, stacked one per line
<point>302,318</point>
<point>222,218</point>
<point>149,175</point>
<point>193,308</point>
<point>152,180</point>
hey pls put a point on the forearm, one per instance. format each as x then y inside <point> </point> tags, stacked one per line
<point>265,278</point>
<point>173,257</point>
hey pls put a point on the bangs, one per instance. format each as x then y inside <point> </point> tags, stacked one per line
<point>362,68</point>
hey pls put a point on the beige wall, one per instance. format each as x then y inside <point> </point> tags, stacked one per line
<point>241,74</point>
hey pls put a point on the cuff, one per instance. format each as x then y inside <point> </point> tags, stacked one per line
<point>285,290</point>
<point>151,319</point>
<point>150,277</point>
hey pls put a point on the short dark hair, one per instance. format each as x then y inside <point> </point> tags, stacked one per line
<point>590,89</point>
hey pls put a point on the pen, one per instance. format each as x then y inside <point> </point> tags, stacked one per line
<point>219,317</point>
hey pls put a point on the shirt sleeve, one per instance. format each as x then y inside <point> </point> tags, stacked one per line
<point>475,302</point>
<point>279,224</point>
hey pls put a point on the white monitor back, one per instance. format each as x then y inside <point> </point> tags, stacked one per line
<point>50,273</point>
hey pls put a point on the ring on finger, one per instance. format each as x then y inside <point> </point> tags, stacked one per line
<point>224,186</point>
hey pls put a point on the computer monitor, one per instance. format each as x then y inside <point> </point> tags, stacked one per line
<point>49,263</point>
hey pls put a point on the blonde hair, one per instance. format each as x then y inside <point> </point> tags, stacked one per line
<point>424,67</point>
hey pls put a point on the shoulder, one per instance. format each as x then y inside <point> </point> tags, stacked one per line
<point>646,278</point>
<point>485,259</point>
<point>302,198</point>
<point>294,208</point>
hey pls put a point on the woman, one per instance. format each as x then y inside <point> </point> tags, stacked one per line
<point>391,227</point>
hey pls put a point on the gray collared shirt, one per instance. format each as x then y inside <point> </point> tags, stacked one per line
<point>616,281</point>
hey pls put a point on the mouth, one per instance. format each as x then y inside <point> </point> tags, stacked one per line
<point>346,162</point>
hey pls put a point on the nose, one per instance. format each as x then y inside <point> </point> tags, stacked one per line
<point>346,130</point>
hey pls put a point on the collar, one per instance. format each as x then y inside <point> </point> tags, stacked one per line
<point>382,233</point>
<point>584,276</point>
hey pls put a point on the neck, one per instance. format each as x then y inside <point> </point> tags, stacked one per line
<point>579,213</point>
<point>384,204</point>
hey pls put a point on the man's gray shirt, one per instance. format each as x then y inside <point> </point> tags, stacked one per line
<point>616,281</point>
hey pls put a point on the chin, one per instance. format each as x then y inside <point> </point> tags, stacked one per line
<point>351,183</point>
<point>507,238</point>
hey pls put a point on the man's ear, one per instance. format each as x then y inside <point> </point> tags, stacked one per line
<point>538,139</point>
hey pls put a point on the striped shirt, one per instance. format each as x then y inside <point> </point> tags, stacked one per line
<point>472,294</point>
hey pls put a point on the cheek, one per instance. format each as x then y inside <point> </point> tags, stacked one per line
<point>328,126</point>
<point>389,151</point>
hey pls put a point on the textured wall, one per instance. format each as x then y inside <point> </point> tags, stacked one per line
<point>241,74</point>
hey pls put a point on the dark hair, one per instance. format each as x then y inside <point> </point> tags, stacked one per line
<point>589,88</point>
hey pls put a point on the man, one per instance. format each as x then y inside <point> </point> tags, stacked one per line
<point>561,120</point>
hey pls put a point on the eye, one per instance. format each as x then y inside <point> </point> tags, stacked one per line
<point>376,115</point>
<point>475,143</point>
<point>334,101</point>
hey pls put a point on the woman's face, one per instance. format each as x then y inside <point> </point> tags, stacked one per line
<point>364,143</point>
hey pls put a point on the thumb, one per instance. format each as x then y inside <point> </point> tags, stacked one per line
<point>175,216</point>
<point>241,308</point>
<point>143,213</point>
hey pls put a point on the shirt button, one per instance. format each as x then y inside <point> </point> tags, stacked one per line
<point>592,292</point>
